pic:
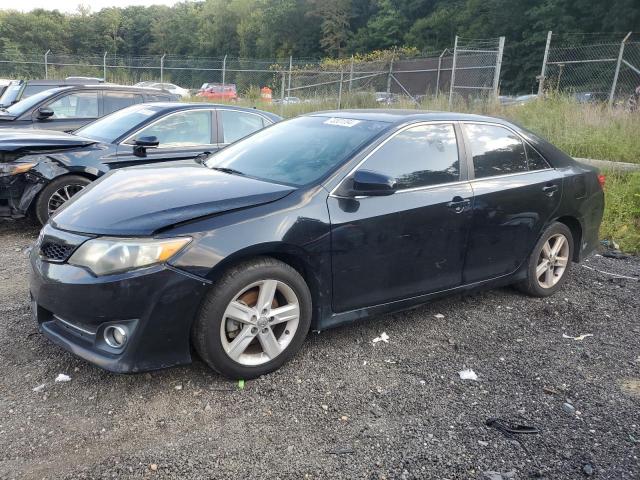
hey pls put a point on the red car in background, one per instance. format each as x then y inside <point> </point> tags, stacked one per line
<point>218,91</point>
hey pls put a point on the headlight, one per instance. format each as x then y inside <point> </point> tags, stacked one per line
<point>15,168</point>
<point>110,255</point>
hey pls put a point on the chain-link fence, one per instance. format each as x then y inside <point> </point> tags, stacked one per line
<point>476,68</point>
<point>390,78</point>
<point>592,67</point>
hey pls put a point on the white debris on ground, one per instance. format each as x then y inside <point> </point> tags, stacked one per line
<point>63,378</point>
<point>439,316</point>
<point>467,374</point>
<point>39,388</point>
<point>579,337</point>
<point>382,338</point>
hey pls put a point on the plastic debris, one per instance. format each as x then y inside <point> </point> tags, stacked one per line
<point>439,315</point>
<point>39,388</point>
<point>240,384</point>
<point>63,378</point>
<point>382,338</point>
<point>467,374</point>
<point>508,429</point>
<point>579,337</point>
<point>616,275</point>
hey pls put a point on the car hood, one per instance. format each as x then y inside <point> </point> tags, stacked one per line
<point>143,200</point>
<point>18,140</point>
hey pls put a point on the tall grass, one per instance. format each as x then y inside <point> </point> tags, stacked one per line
<point>622,210</point>
<point>581,130</point>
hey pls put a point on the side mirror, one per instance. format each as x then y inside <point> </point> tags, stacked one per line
<point>44,113</point>
<point>201,157</point>
<point>372,184</point>
<point>141,144</point>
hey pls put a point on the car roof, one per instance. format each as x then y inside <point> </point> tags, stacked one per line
<point>390,115</point>
<point>175,106</point>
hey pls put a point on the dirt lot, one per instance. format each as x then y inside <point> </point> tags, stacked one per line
<point>345,407</point>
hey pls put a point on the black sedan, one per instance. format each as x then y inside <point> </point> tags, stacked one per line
<point>70,107</point>
<point>316,221</point>
<point>40,170</point>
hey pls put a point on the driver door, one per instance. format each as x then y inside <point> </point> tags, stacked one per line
<point>70,111</point>
<point>409,243</point>
<point>181,135</point>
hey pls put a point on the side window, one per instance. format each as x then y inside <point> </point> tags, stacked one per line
<point>158,98</point>
<point>236,125</point>
<point>495,150</point>
<point>76,105</point>
<point>114,101</point>
<point>419,156</point>
<point>192,127</point>
<point>534,159</point>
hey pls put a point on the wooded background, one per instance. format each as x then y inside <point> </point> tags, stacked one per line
<point>275,29</point>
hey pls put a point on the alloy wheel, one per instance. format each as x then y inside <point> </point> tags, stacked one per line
<point>61,196</point>
<point>553,261</point>
<point>260,322</point>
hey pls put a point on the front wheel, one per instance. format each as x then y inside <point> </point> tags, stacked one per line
<point>549,262</point>
<point>254,319</point>
<point>57,193</point>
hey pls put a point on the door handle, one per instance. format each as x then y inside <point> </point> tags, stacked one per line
<point>458,204</point>
<point>550,189</point>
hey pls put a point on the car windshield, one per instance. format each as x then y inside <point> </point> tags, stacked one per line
<point>22,106</point>
<point>111,127</point>
<point>10,94</point>
<point>298,151</point>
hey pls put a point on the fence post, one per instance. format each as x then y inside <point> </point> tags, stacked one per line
<point>453,70</point>
<point>351,74</point>
<point>284,75</point>
<point>438,76</point>
<point>543,72</point>
<point>46,65</point>
<point>224,69</point>
<point>290,69</point>
<point>104,66</point>
<point>340,88</point>
<point>615,75</point>
<point>496,76</point>
<point>162,68</point>
<point>390,72</point>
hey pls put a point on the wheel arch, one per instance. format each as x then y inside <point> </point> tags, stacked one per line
<point>292,255</point>
<point>575,226</point>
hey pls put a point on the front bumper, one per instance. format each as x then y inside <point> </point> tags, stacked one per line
<point>156,304</point>
<point>17,192</point>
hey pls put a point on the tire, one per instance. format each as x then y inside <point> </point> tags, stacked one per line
<point>541,281</point>
<point>71,183</point>
<point>237,294</point>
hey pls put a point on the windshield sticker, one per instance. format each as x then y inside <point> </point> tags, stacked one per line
<point>342,122</point>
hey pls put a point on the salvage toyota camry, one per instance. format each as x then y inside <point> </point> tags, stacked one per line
<point>308,224</point>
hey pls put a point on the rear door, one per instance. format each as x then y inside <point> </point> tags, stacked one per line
<point>386,248</point>
<point>112,101</point>
<point>181,135</point>
<point>515,193</point>
<point>236,124</point>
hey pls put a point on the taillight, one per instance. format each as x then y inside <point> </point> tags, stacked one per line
<point>601,180</point>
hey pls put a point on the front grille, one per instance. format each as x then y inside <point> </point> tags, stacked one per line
<point>55,252</point>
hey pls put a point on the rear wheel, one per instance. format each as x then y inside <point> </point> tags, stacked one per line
<point>549,262</point>
<point>57,193</point>
<point>254,319</point>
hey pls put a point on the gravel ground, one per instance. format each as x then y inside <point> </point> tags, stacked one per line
<point>345,407</point>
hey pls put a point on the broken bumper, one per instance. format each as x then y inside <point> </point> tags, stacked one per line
<point>17,193</point>
<point>156,305</point>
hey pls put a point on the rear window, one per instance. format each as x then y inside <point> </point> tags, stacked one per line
<point>495,150</point>
<point>114,101</point>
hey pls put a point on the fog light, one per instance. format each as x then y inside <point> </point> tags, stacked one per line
<point>115,336</point>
